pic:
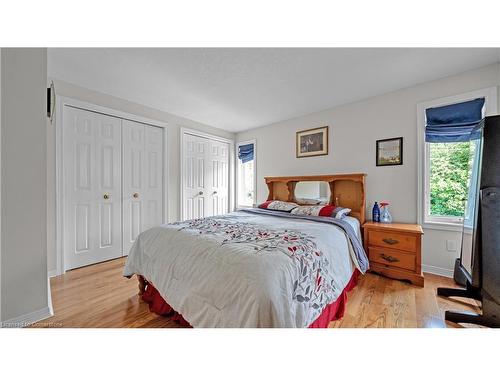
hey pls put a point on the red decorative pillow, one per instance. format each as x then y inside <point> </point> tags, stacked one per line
<point>327,210</point>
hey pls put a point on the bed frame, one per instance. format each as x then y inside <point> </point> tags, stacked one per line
<point>346,190</point>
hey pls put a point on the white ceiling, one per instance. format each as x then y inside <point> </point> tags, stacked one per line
<point>239,89</point>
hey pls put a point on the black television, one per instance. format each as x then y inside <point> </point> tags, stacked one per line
<point>478,268</point>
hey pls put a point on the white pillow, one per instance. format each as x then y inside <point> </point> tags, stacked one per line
<point>341,212</point>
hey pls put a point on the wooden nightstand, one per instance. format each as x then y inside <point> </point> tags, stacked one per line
<point>394,250</point>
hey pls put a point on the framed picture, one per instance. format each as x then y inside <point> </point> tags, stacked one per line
<point>390,151</point>
<point>312,142</point>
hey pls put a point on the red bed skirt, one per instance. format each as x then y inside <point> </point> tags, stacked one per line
<point>159,306</point>
<point>331,312</point>
<point>335,310</point>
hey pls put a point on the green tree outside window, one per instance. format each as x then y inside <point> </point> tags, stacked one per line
<point>449,178</point>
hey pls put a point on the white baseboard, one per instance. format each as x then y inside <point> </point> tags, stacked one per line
<point>49,298</point>
<point>27,319</point>
<point>437,270</point>
<point>53,273</point>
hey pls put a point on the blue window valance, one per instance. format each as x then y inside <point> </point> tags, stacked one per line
<point>245,152</point>
<point>453,123</point>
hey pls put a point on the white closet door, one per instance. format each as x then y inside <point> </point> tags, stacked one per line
<point>92,187</point>
<point>142,175</point>
<point>153,190</point>
<point>205,177</point>
<point>218,173</point>
<point>194,179</point>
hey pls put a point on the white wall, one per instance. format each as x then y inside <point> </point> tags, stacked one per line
<point>173,149</point>
<point>23,183</point>
<point>353,129</point>
<point>0,185</point>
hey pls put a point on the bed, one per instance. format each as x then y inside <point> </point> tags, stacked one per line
<point>256,267</point>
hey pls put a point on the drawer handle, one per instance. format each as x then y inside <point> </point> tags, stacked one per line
<point>390,241</point>
<point>389,258</point>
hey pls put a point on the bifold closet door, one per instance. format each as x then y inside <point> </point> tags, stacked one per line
<point>218,173</point>
<point>92,187</point>
<point>205,177</point>
<point>142,175</point>
<point>195,191</point>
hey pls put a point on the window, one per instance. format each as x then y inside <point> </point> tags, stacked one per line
<point>246,174</point>
<point>446,155</point>
<point>448,180</point>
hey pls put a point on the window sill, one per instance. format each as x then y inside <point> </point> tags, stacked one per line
<point>453,227</point>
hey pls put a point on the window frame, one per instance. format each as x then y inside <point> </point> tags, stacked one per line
<point>423,156</point>
<point>238,172</point>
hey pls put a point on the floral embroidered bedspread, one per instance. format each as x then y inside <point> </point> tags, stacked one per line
<point>313,284</point>
<point>245,269</point>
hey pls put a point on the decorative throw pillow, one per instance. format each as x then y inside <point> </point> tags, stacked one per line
<point>278,206</point>
<point>313,210</point>
<point>328,210</point>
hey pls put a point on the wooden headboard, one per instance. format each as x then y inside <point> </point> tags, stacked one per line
<point>346,189</point>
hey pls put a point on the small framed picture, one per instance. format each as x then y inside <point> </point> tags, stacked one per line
<point>390,151</point>
<point>312,142</point>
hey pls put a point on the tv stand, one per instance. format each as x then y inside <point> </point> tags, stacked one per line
<point>489,318</point>
<point>469,292</point>
<point>471,318</point>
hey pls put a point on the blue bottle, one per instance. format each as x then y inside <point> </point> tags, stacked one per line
<point>376,213</point>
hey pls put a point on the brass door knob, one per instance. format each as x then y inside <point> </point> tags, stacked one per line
<point>200,193</point>
<point>106,196</point>
<point>135,195</point>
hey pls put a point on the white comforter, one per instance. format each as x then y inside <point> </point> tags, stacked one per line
<point>240,270</point>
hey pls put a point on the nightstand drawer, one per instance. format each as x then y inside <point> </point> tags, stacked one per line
<point>392,240</point>
<point>393,258</point>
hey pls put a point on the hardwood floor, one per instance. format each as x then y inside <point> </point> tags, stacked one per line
<point>99,296</point>
<point>379,302</point>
